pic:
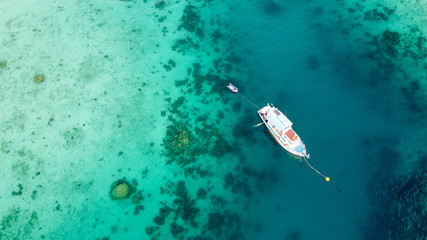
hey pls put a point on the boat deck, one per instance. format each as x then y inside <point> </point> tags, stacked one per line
<point>280,127</point>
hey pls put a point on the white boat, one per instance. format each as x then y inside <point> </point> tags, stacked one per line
<point>280,127</point>
<point>232,88</point>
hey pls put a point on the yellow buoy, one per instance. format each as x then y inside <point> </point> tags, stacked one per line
<point>327,179</point>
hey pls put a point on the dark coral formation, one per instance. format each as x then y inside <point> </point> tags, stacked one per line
<point>183,209</point>
<point>394,56</point>
<point>184,45</point>
<point>201,193</point>
<point>405,216</point>
<point>238,184</point>
<point>163,213</point>
<point>271,7</point>
<point>137,197</point>
<point>245,180</point>
<point>19,192</point>
<point>182,216</point>
<point>411,94</point>
<point>183,146</point>
<point>171,64</point>
<point>215,81</point>
<point>184,142</point>
<point>389,42</point>
<point>197,171</point>
<point>138,209</point>
<point>179,143</point>
<point>192,134</point>
<point>294,235</point>
<point>191,20</point>
<point>399,200</point>
<point>225,225</point>
<point>176,229</point>
<point>185,206</point>
<point>390,49</point>
<point>378,14</point>
<point>18,224</point>
<point>160,4</point>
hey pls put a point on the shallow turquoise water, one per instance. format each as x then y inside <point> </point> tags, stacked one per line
<point>135,91</point>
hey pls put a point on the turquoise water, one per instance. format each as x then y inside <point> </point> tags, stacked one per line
<point>134,92</point>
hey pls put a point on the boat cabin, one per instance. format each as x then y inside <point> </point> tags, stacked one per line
<point>282,124</point>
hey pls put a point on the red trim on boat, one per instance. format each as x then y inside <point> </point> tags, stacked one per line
<point>291,135</point>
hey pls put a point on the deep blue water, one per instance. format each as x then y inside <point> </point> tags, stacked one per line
<point>304,57</point>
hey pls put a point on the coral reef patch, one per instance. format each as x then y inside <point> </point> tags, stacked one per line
<point>18,224</point>
<point>3,64</point>
<point>121,189</point>
<point>38,78</point>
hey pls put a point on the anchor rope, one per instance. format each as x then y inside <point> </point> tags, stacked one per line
<point>333,184</point>
<point>325,177</point>
<point>247,100</point>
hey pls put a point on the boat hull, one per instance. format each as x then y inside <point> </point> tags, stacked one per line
<point>280,128</point>
<point>232,88</point>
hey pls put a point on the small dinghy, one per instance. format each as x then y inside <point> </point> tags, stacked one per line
<point>232,88</point>
<point>280,127</point>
